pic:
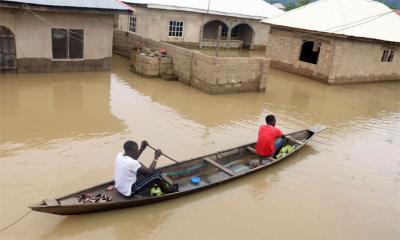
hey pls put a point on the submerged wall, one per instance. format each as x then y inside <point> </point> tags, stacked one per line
<point>33,39</point>
<point>207,73</point>
<point>284,48</point>
<point>341,60</point>
<point>357,61</point>
<point>229,74</point>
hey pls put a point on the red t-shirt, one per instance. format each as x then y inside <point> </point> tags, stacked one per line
<point>266,140</point>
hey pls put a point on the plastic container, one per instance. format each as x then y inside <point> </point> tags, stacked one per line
<point>195,180</point>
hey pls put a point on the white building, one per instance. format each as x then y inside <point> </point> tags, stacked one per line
<point>198,21</point>
<point>56,36</point>
<point>337,41</point>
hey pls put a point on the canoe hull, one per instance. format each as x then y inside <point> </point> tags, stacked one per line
<point>73,209</point>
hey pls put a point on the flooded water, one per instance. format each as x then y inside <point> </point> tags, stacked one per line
<point>61,132</point>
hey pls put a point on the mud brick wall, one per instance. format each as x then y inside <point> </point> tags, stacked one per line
<point>355,61</point>
<point>165,65</point>
<point>207,73</point>
<point>229,74</point>
<point>151,66</point>
<point>124,43</point>
<point>284,48</point>
<point>341,60</point>
<point>181,58</point>
<point>147,66</point>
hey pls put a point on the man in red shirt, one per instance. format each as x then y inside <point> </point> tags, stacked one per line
<point>270,139</point>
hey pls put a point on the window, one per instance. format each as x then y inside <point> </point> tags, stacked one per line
<point>224,32</point>
<point>235,32</point>
<point>67,43</point>
<point>175,29</point>
<point>310,52</point>
<point>7,49</point>
<point>132,23</point>
<point>75,40</point>
<point>387,56</point>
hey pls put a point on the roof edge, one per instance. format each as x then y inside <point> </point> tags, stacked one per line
<point>41,7</point>
<point>336,35</point>
<point>197,10</point>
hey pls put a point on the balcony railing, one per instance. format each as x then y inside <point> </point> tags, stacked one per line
<point>213,43</point>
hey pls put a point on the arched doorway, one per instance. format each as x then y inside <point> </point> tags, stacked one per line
<point>8,60</point>
<point>210,30</point>
<point>244,33</point>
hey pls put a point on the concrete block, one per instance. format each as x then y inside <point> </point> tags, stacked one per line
<point>150,72</point>
<point>155,66</point>
<point>165,60</point>
<point>138,69</point>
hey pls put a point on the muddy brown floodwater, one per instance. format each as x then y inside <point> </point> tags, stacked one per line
<point>61,132</point>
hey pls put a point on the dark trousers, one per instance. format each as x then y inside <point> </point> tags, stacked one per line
<point>279,142</point>
<point>140,184</point>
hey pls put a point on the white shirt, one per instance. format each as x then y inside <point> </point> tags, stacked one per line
<point>125,173</point>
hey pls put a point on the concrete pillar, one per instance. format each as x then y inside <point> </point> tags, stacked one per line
<point>252,39</point>
<point>262,84</point>
<point>201,35</point>
<point>228,37</point>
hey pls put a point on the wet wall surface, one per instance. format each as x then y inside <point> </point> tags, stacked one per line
<point>61,132</point>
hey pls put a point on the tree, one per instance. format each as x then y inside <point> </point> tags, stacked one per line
<point>295,4</point>
<point>290,6</point>
<point>301,3</point>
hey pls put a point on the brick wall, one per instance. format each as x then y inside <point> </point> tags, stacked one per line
<point>207,73</point>
<point>229,74</point>
<point>356,61</point>
<point>340,60</point>
<point>284,49</point>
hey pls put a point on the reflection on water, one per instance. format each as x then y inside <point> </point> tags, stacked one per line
<point>60,133</point>
<point>38,108</point>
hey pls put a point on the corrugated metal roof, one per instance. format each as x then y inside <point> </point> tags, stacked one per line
<point>358,18</point>
<point>92,4</point>
<point>256,9</point>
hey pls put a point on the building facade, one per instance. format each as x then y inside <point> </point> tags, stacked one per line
<point>196,26</point>
<point>364,48</point>
<point>333,59</point>
<point>47,38</point>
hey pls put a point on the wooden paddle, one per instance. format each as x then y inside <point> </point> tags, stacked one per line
<point>165,155</point>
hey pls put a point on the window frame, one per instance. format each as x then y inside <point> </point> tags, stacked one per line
<point>316,49</point>
<point>388,55</point>
<point>67,44</point>
<point>224,31</point>
<point>235,32</point>
<point>176,28</point>
<point>7,38</point>
<point>132,24</point>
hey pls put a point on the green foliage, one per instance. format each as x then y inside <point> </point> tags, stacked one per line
<point>290,6</point>
<point>392,5</point>
<point>296,4</point>
<point>302,2</point>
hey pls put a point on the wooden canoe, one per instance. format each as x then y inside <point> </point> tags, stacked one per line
<point>213,170</point>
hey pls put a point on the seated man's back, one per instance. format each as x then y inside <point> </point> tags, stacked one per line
<point>267,134</point>
<point>126,169</point>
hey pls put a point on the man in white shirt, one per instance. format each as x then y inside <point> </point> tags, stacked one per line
<point>127,168</point>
